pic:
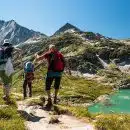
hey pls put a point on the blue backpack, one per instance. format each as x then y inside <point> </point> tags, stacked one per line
<point>28,67</point>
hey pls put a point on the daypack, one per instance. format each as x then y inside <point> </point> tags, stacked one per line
<point>5,53</point>
<point>3,58</point>
<point>57,62</point>
<point>29,67</point>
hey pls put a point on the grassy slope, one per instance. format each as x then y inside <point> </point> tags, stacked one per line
<point>113,122</point>
<point>73,89</point>
<point>79,90</point>
<point>9,117</point>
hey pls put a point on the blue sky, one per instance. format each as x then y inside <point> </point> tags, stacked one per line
<point>108,17</point>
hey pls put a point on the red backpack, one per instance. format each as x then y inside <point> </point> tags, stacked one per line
<point>57,62</point>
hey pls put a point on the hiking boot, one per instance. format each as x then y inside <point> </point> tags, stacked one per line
<point>30,95</point>
<point>49,104</point>
<point>6,98</point>
<point>25,97</point>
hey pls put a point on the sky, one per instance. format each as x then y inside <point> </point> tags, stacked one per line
<point>108,17</point>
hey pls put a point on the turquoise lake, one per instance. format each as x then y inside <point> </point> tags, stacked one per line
<point>119,102</point>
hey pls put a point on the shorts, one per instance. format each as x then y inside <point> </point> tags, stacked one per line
<point>29,76</point>
<point>5,79</point>
<point>49,81</point>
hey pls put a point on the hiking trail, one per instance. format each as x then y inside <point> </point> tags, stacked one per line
<point>38,119</point>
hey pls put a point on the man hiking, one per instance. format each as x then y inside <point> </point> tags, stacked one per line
<point>28,78</point>
<point>6,67</point>
<point>56,64</point>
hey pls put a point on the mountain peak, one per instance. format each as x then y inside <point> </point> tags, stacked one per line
<point>12,21</point>
<point>66,27</point>
<point>15,32</point>
<point>70,26</point>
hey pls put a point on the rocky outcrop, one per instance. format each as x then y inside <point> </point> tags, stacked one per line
<point>125,84</point>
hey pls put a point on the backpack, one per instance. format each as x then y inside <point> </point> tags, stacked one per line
<point>5,53</point>
<point>28,67</point>
<point>57,62</point>
<point>3,59</point>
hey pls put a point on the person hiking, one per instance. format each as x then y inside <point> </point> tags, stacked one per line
<point>6,67</point>
<point>56,64</point>
<point>28,78</point>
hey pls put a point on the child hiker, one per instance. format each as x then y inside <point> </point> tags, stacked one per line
<point>28,78</point>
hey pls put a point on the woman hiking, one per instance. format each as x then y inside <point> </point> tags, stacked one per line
<point>6,67</point>
<point>56,64</point>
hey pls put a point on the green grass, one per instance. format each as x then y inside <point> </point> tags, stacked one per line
<point>38,86</point>
<point>79,90</point>
<point>73,50</point>
<point>34,102</point>
<point>79,112</point>
<point>9,117</point>
<point>113,122</point>
<point>72,89</point>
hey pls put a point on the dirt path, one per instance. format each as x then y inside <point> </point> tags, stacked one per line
<point>38,119</point>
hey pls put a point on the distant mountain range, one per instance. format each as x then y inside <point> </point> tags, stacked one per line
<point>16,33</point>
<point>80,48</point>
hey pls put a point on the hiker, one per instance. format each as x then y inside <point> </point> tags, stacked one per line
<point>6,67</point>
<point>56,64</point>
<point>28,78</point>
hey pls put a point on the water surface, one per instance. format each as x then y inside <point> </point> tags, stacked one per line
<point>119,102</point>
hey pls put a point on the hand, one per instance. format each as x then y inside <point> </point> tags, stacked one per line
<point>36,55</point>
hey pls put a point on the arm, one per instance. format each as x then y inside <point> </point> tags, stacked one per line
<point>43,56</point>
<point>38,58</point>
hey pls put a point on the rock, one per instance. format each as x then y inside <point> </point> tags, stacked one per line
<point>3,106</point>
<point>124,84</point>
<point>102,98</point>
<point>54,120</point>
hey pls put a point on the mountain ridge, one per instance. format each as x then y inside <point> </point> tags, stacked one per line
<point>16,33</point>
